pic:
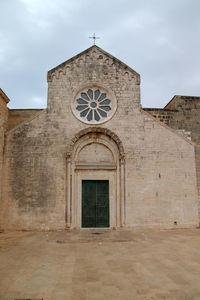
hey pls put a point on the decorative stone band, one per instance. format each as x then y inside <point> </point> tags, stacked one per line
<point>95,166</point>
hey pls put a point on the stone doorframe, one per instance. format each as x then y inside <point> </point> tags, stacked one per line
<point>114,172</point>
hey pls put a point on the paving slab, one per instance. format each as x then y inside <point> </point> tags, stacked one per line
<point>100,264</point>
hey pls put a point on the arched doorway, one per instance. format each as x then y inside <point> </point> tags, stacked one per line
<point>95,172</point>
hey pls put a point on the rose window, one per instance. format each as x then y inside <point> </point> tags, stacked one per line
<point>94,105</point>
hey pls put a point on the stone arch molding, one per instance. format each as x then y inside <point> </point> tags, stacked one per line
<point>113,170</point>
<point>97,130</point>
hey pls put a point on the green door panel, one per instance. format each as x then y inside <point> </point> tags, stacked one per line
<point>102,204</point>
<point>88,203</point>
<point>95,203</point>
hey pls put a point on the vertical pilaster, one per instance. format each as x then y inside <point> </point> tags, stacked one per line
<point>122,189</point>
<point>68,204</point>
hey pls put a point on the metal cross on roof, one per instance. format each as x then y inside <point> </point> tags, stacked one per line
<point>94,37</point>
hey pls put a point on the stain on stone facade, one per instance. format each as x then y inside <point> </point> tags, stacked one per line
<point>150,166</point>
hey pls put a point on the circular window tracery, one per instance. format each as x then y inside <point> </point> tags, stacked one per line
<point>94,105</point>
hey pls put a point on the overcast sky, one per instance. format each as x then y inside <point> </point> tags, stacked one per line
<point>160,39</point>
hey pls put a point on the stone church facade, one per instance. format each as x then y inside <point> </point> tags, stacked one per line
<point>94,157</point>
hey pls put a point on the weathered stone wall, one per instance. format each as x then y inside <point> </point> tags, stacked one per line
<point>183,113</point>
<point>163,115</point>
<point>3,127</point>
<point>31,199</point>
<point>17,116</point>
<point>160,188</point>
<point>165,178</point>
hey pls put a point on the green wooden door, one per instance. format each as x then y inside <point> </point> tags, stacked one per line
<point>95,203</point>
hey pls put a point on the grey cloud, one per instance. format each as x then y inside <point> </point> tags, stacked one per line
<point>159,39</point>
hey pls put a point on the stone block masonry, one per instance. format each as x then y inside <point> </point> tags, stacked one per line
<point>182,113</point>
<point>46,154</point>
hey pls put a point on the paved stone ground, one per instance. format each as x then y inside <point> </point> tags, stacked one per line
<point>121,264</point>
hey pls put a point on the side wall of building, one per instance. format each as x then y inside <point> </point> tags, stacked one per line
<point>17,116</point>
<point>183,113</point>
<point>161,178</point>
<point>3,127</point>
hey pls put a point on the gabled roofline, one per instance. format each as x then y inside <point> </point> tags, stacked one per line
<point>170,101</point>
<point>25,122</point>
<point>86,51</point>
<point>182,97</point>
<point>159,109</point>
<point>4,96</point>
<point>167,127</point>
